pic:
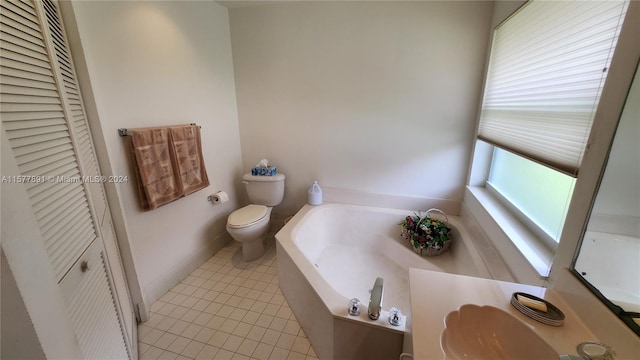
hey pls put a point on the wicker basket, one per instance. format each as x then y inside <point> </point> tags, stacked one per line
<point>431,249</point>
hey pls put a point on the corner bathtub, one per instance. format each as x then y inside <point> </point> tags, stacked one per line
<point>331,253</point>
<point>618,279</point>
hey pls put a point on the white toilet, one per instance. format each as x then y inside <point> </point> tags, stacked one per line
<point>249,224</point>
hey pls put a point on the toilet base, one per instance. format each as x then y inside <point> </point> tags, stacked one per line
<point>252,250</point>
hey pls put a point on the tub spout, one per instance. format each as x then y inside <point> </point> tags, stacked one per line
<point>375,302</point>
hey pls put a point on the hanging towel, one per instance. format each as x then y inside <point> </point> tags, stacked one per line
<point>158,182</point>
<point>169,164</point>
<point>187,147</point>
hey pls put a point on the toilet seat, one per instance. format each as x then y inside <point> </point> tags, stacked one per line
<point>247,216</point>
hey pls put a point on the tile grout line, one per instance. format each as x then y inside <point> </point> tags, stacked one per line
<point>211,314</point>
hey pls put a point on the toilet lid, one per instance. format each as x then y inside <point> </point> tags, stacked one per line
<point>247,215</point>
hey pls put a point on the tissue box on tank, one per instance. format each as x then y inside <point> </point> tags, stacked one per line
<point>264,171</point>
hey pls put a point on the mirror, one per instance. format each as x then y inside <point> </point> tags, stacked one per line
<point>608,261</point>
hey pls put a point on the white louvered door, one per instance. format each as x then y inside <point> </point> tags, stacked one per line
<point>43,117</point>
<point>91,308</point>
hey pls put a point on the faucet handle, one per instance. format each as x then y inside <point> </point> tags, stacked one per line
<point>354,307</point>
<point>395,316</point>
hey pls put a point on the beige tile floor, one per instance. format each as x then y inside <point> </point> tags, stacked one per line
<point>226,309</point>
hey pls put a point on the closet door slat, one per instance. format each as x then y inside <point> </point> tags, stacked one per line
<point>33,117</point>
<point>44,120</point>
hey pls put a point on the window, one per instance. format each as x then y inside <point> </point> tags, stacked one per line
<point>548,65</point>
<point>539,195</point>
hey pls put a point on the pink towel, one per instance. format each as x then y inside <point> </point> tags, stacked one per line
<point>169,164</point>
<point>188,150</point>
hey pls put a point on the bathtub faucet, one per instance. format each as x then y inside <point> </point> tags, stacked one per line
<point>375,302</point>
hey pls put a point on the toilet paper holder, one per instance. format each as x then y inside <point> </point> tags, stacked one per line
<point>218,198</point>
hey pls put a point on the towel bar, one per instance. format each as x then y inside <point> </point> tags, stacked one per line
<point>127,132</point>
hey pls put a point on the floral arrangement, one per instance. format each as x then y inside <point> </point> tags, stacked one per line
<point>424,232</point>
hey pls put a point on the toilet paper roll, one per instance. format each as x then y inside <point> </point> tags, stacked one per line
<point>220,197</point>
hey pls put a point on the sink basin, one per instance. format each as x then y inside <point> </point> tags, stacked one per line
<point>486,332</point>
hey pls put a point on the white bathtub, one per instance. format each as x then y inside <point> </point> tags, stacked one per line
<point>610,262</point>
<point>331,253</point>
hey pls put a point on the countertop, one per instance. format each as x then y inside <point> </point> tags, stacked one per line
<point>435,294</point>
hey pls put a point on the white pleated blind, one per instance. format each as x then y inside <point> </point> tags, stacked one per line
<point>33,117</point>
<point>547,69</point>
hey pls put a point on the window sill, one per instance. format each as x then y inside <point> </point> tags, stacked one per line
<point>516,244</point>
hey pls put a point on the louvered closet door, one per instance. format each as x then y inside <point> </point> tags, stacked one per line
<point>92,309</point>
<point>89,165</point>
<point>42,115</point>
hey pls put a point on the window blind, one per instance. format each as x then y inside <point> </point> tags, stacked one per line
<point>546,73</point>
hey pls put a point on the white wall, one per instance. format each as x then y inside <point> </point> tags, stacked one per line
<point>154,63</point>
<point>18,337</point>
<point>379,97</point>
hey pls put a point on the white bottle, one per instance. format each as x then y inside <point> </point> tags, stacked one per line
<point>314,195</point>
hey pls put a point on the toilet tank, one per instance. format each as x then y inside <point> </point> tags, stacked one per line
<point>264,190</point>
